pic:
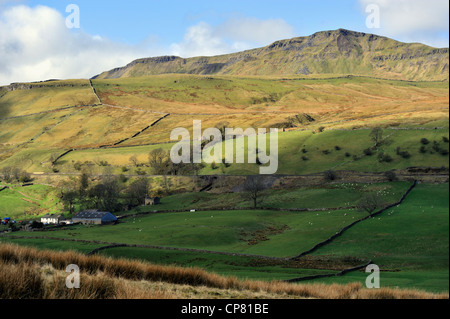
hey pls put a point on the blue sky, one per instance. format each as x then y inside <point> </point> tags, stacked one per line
<point>134,21</point>
<point>35,43</point>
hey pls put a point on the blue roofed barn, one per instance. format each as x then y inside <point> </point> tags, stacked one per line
<point>94,217</point>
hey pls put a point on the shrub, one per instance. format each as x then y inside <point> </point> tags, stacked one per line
<point>321,129</point>
<point>326,152</point>
<point>25,177</point>
<point>337,148</point>
<point>125,169</point>
<point>445,139</point>
<point>423,149</point>
<point>436,146</point>
<point>37,225</point>
<point>347,154</point>
<point>330,175</point>
<point>385,158</point>
<point>78,166</point>
<point>368,152</point>
<point>425,141</point>
<point>405,154</point>
<point>123,178</point>
<point>305,158</point>
<point>391,176</point>
<point>443,152</point>
<point>141,172</point>
<point>103,163</point>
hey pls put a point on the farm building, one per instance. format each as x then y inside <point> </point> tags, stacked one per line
<point>52,219</point>
<point>152,201</point>
<point>94,217</point>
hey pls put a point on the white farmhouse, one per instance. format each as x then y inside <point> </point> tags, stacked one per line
<point>52,219</point>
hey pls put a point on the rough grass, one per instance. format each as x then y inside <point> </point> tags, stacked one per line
<point>50,96</point>
<point>344,103</point>
<point>103,278</point>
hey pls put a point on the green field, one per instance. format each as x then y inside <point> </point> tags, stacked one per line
<point>409,242</point>
<point>302,152</point>
<point>325,124</point>
<point>28,202</point>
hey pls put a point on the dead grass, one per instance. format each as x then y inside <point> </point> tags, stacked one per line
<point>40,274</point>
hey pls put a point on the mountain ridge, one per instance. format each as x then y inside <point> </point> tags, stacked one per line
<point>327,52</point>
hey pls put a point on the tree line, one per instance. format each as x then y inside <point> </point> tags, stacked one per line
<point>109,193</point>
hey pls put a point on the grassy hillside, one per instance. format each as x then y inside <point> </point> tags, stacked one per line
<point>409,242</point>
<point>139,113</point>
<point>329,52</point>
<point>28,202</point>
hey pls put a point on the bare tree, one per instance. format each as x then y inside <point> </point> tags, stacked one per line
<point>253,188</point>
<point>138,191</point>
<point>134,160</point>
<point>370,203</point>
<point>7,174</point>
<point>376,135</point>
<point>158,160</point>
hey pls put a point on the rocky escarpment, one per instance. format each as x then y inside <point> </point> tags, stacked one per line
<point>43,84</point>
<point>329,52</point>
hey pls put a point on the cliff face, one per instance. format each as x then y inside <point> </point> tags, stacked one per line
<point>328,52</point>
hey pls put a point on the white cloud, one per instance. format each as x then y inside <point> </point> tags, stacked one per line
<point>200,40</point>
<point>35,44</point>
<point>254,30</point>
<point>425,21</point>
<point>235,34</point>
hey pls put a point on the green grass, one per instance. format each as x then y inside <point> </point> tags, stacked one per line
<point>292,144</point>
<point>219,231</point>
<point>432,281</point>
<point>407,241</point>
<point>333,195</point>
<point>231,231</point>
<point>28,202</point>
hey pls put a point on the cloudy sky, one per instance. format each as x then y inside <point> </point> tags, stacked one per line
<point>37,43</point>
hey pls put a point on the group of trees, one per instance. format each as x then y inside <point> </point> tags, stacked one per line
<point>14,174</point>
<point>160,164</point>
<point>109,193</point>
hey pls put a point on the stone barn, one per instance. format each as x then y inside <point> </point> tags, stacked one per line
<point>152,201</point>
<point>94,217</point>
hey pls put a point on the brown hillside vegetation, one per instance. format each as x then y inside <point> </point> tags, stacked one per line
<point>28,273</point>
<point>328,52</point>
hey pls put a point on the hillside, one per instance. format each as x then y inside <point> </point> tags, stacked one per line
<point>329,52</point>
<point>132,116</point>
<point>408,241</point>
<point>39,275</point>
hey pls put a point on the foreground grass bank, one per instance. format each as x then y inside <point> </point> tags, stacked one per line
<point>39,276</point>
